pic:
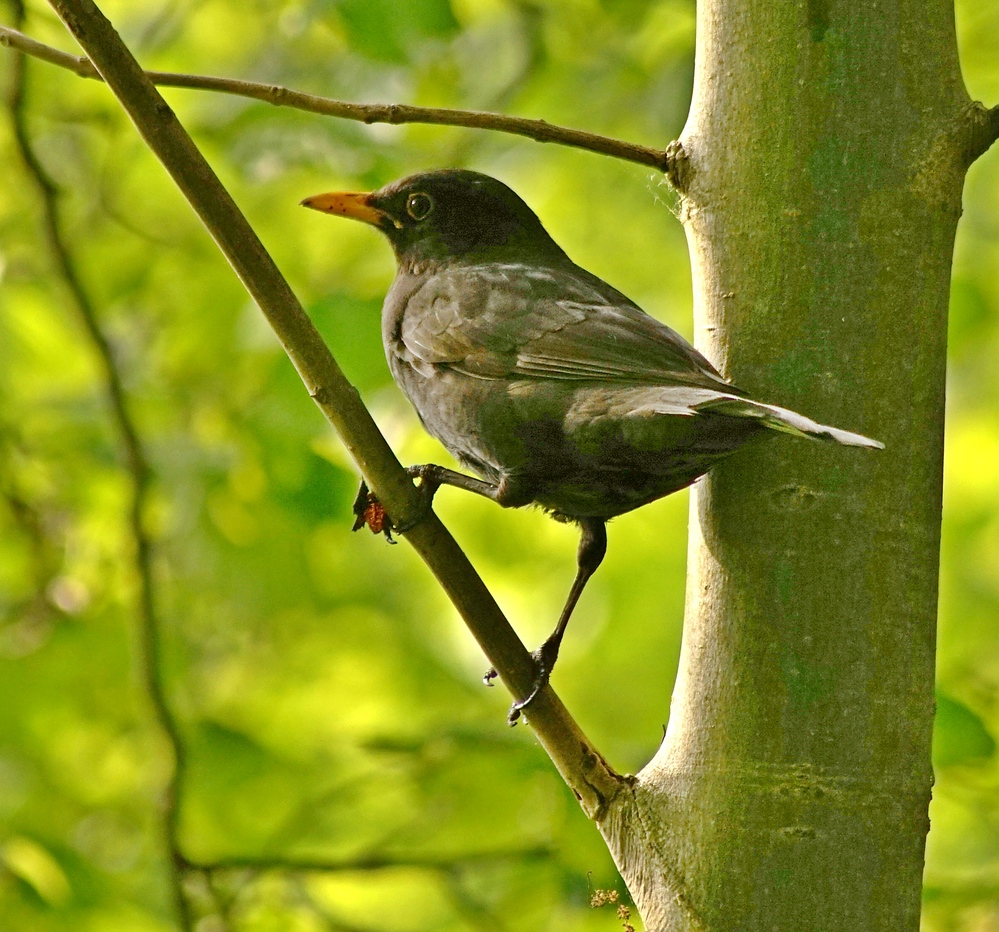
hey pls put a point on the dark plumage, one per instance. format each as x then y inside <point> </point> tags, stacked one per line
<point>546,381</point>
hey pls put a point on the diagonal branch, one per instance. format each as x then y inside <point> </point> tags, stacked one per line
<point>137,466</point>
<point>582,767</point>
<point>538,130</point>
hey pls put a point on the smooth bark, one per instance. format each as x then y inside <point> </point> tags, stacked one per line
<point>820,175</point>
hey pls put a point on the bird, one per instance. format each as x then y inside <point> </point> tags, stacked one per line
<point>540,378</point>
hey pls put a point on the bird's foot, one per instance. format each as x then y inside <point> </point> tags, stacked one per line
<point>544,659</point>
<point>370,513</point>
<point>429,484</point>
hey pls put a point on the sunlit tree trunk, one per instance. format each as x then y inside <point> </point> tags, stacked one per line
<point>820,176</point>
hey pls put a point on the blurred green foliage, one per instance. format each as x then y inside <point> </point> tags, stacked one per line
<point>328,697</point>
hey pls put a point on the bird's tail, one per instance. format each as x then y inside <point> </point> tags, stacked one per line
<point>790,422</point>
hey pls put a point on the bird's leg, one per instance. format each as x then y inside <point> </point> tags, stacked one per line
<point>592,547</point>
<point>432,477</point>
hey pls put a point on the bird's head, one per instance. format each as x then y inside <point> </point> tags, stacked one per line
<point>448,215</point>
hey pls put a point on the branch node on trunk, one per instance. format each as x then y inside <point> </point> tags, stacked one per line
<point>982,130</point>
<point>678,167</point>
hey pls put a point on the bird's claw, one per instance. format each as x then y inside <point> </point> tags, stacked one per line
<point>427,488</point>
<point>429,484</point>
<point>544,659</point>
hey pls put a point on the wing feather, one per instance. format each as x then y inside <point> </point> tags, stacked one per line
<point>516,322</point>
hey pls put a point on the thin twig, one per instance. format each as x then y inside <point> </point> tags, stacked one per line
<point>367,862</point>
<point>538,130</point>
<point>137,466</point>
<point>298,870</point>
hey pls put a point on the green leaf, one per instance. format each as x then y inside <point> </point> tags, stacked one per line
<point>31,862</point>
<point>959,735</point>
<point>387,31</point>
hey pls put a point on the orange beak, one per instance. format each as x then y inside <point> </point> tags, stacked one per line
<point>348,204</point>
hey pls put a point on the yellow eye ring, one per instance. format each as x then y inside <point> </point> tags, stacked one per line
<point>419,205</point>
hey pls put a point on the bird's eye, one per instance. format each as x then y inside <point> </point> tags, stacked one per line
<point>418,206</point>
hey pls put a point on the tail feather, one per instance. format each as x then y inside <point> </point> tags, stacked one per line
<point>782,419</point>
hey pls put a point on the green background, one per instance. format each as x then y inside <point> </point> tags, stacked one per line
<point>329,698</point>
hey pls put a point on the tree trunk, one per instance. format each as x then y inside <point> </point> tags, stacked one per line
<point>820,178</point>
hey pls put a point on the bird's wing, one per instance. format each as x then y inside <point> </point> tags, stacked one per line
<point>519,322</point>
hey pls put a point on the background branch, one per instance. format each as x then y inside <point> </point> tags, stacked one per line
<point>583,768</point>
<point>137,467</point>
<point>368,862</point>
<point>538,130</point>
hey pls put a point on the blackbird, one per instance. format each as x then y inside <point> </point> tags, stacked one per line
<point>551,385</point>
